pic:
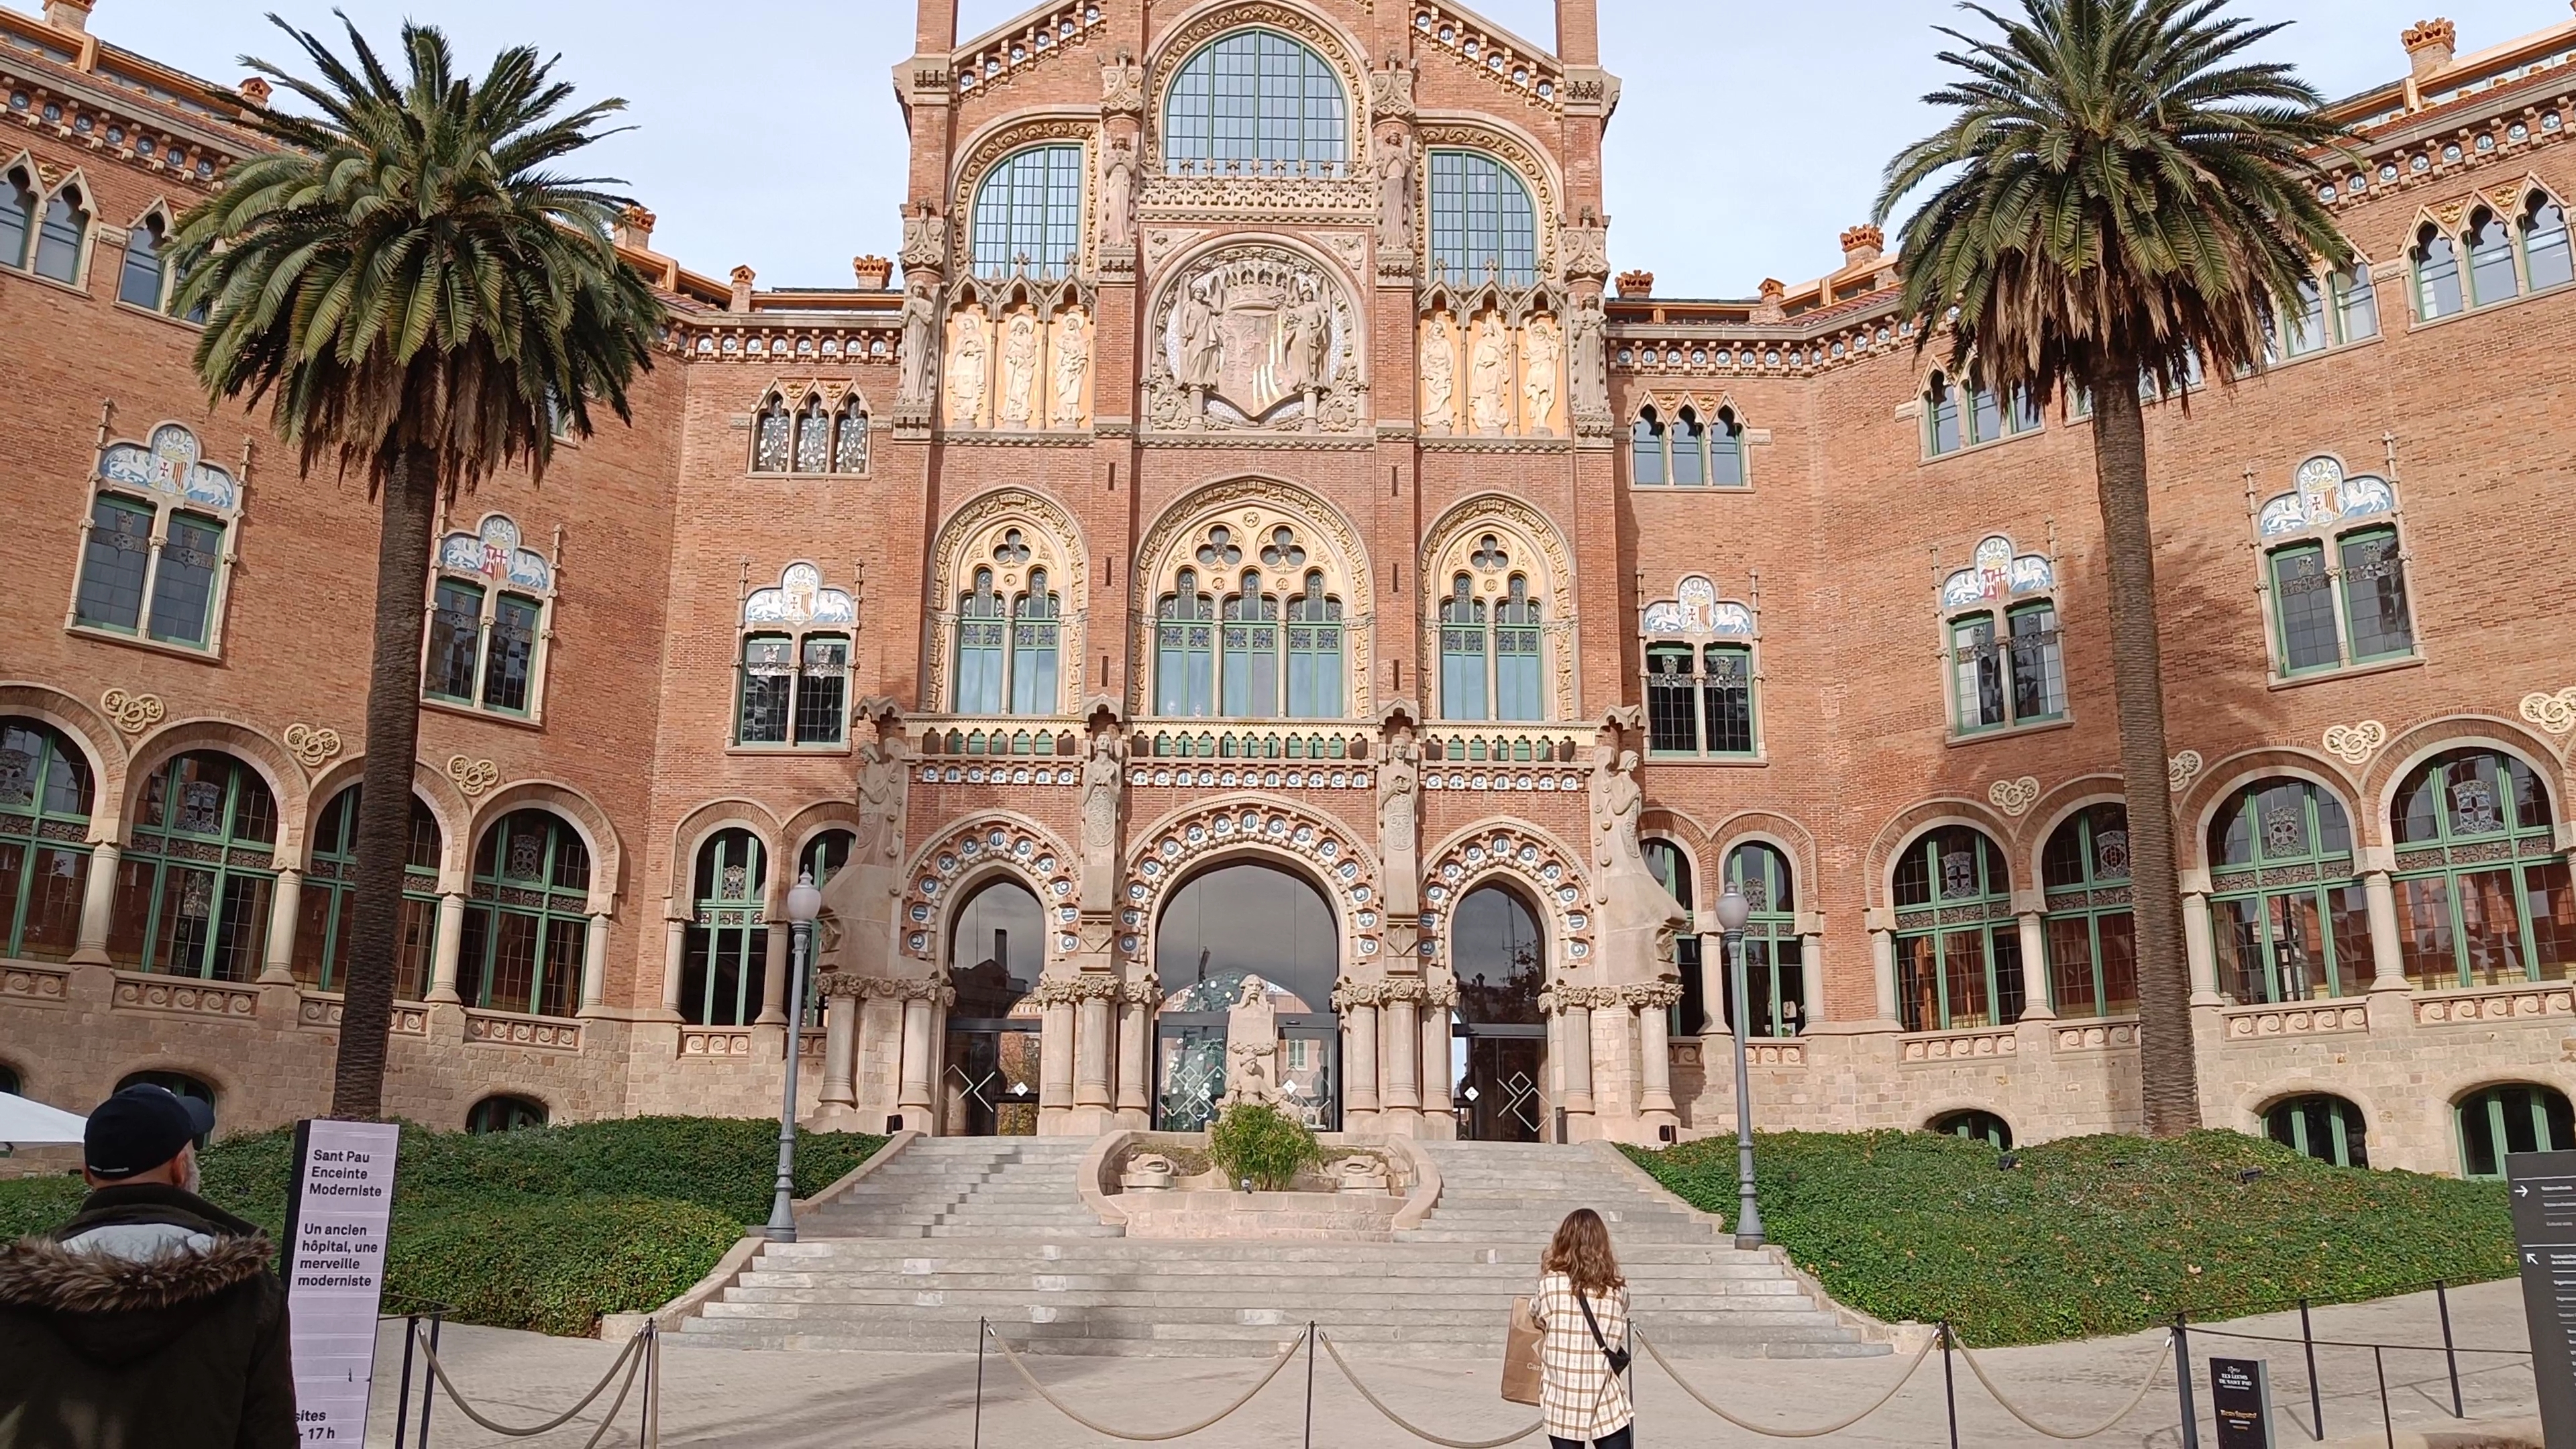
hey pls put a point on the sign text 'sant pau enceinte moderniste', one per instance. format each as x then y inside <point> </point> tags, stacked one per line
<point>337,1227</point>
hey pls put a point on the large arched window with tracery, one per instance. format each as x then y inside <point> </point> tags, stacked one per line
<point>194,887</point>
<point>1028,211</point>
<point>1259,103</point>
<point>1958,949</point>
<point>2092,936</point>
<point>2285,903</point>
<point>1247,630</point>
<point>724,959</point>
<point>2483,896</point>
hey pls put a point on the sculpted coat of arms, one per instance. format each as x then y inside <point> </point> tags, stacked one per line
<point>1254,337</point>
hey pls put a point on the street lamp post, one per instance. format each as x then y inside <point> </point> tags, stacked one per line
<point>804,903</point>
<point>1732,912</point>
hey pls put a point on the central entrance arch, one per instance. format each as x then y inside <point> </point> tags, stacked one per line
<point>1245,918</point>
<point>996,950</point>
<point>1498,1050</point>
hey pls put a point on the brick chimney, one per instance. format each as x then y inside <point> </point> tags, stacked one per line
<point>1770,309</point>
<point>2430,45</point>
<point>741,301</point>
<point>875,274</point>
<point>1863,245</point>
<point>255,89</point>
<point>70,15</point>
<point>634,229</point>
<point>1636,284</point>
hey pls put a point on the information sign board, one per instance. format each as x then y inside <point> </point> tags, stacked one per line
<point>2240,1393</point>
<point>2541,1187</point>
<point>338,1219</point>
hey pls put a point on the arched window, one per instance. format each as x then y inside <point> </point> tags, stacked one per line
<point>45,802</point>
<point>1028,210</point>
<point>1481,220</point>
<point>504,1114</point>
<point>850,437</point>
<point>326,907</point>
<point>177,1084</point>
<point>17,218</point>
<point>1958,950</point>
<point>2287,912</point>
<point>526,927</point>
<point>1258,103</point>
<point>1699,673</point>
<point>490,599</point>
<point>192,892</point>
<point>2092,938</point>
<point>1646,450</point>
<point>1941,417</point>
<point>157,553</point>
<point>1519,680</point>
<point>60,238</point>
<point>144,279</point>
<point>727,945</point>
<point>1034,637</point>
<point>1726,450</point>
<point>1775,974</point>
<point>772,447</point>
<point>1462,652</point>
<point>2492,276</point>
<point>1315,652</point>
<point>1665,861</point>
<point>794,687</point>
<point>2007,667</point>
<point>825,854</point>
<point>1690,449</point>
<point>813,437</point>
<point>996,950</point>
<point>2483,897</point>
<point>1975,1126</point>
<point>2324,1127</point>
<point>2544,243</point>
<point>1251,643</point>
<point>1184,650</point>
<point>2336,572</point>
<point>1222,925</point>
<point>2437,275</point>
<point>2521,1117</point>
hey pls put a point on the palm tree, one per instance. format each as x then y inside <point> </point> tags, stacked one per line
<point>423,300</point>
<point>2128,199</point>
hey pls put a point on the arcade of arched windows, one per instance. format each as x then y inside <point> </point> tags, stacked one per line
<point>1011,578</point>
<point>2489,248</point>
<point>810,428</point>
<point>1017,356</point>
<point>1254,602</point>
<point>1498,617</point>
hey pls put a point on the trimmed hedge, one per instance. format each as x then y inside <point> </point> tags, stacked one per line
<point>545,1228</point>
<point>2093,1235</point>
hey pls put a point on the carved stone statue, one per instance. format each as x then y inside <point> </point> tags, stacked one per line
<point>1398,800</point>
<point>966,369</point>
<point>882,781</point>
<point>1638,916</point>
<point>1072,363</point>
<point>1439,375</point>
<point>1395,195</point>
<point>1305,331</point>
<point>1118,195</point>
<point>1103,796</point>
<point>1252,1049</point>
<point>1489,377</point>
<point>920,346</point>
<point>1019,368</point>
<point>1202,360</point>
<point>1540,353</point>
<point>1590,341</point>
<point>1254,337</point>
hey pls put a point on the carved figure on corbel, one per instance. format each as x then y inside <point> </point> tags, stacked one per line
<point>1118,196</point>
<point>1583,252</point>
<point>1395,194</point>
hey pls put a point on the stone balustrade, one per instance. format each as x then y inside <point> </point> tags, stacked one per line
<point>2295,1019</point>
<point>24,982</point>
<point>184,996</point>
<point>721,1043</point>
<point>503,1028</point>
<point>321,1010</point>
<point>1258,743</point>
<point>2109,1034</point>
<point>2527,1002</point>
<point>1952,1046</point>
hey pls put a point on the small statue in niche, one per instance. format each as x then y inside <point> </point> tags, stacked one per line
<point>1305,331</point>
<point>1489,377</point>
<point>1439,375</point>
<point>920,347</point>
<point>1591,360</point>
<point>1118,195</point>
<point>1072,364</point>
<point>1540,352</point>
<point>1395,195</point>
<point>1019,368</point>
<point>966,369</point>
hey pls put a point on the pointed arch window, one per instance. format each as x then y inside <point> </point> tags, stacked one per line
<point>1036,634</point>
<point>1775,974</point>
<point>2438,292</point>
<point>1256,103</point>
<point>2492,275</point>
<point>490,609</point>
<point>1481,220</point>
<point>62,236</point>
<point>144,280</point>
<point>325,908</point>
<point>2286,906</point>
<point>850,437</point>
<point>770,445</point>
<point>1646,467</point>
<point>1184,650</point>
<point>811,436</point>
<point>45,800</point>
<point>2092,937</point>
<point>156,558</point>
<point>726,949</point>
<point>1250,665</point>
<point>1693,452</point>
<point>526,934</point>
<point>1315,652</point>
<point>1941,431</point>
<point>1958,946</point>
<point>1690,449</point>
<point>2544,243</point>
<point>194,886</point>
<point>2335,571</point>
<point>2483,895</point>
<point>1462,652</point>
<point>17,217</point>
<point>1028,209</point>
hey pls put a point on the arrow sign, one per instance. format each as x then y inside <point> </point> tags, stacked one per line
<point>2544,1229</point>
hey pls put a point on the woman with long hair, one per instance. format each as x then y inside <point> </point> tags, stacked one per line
<point>1582,1314</point>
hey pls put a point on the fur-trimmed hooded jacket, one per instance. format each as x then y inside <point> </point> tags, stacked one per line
<point>149,1321</point>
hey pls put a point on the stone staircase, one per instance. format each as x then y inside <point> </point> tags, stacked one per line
<point>954,1230</point>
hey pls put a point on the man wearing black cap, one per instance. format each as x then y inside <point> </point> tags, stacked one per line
<point>151,1319</point>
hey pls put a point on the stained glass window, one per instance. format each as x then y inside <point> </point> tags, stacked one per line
<point>1315,652</point>
<point>1256,102</point>
<point>1251,644</point>
<point>1672,700</point>
<point>981,639</point>
<point>1481,220</point>
<point>325,910</point>
<point>767,686</point>
<point>822,689</point>
<point>455,642</point>
<point>510,653</point>
<point>1029,208</point>
<point>2483,895</point>
<point>526,931</point>
<point>2286,909</point>
<point>1774,954</point>
<point>769,437</point>
<point>1958,947</point>
<point>725,952</point>
<point>2374,595</point>
<point>2092,937</point>
<point>850,440</point>
<point>193,887</point>
<point>813,437</point>
<point>45,798</point>
<point>1036,631</point>
<point>1462,652</point>
<point>113,564</point>
<point>183,588</point>
<point>1184,650</point>
<point>1519,687</point>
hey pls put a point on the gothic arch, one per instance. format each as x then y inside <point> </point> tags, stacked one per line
<point>1529,537</point>
<point>1256,827</point>
<point>286,779</point>
<point>1519,153</point>
<point>1763,827</point>
<point>1252,507</point>
<point>964,856</point>
<point>598,835</point>
<point>1549,875</point>
<point>977,534</point>
<point>89,733</point>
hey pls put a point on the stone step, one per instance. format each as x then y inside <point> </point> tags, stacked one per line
<point>1478,1325</point>
<point>1646,1259</point>
<point>1009,1297</point>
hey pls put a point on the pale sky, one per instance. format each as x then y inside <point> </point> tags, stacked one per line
<point>1748,134</point>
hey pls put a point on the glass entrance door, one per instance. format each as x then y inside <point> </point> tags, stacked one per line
<point>1310,1069</point>
<point>1498,1097</point>
<point>989,1087</point>
<point>1189,1069</point>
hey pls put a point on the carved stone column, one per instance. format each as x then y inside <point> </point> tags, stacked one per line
<point>2199,950</point>
<point>594,966</point>
<point>1572,1007</point>
<point>277,961</point>
<point>675,949</point>
<point>2387,956</point>
<point>1811,971</point>
<point>1882,964</point>
<point>2038,989</point>
<point>1358,1005</point>
<point>840,991</point>
<point>914,1094</point>
<point>773,978</point>
<point>1402,1091</point>
<point>1716,985</point>
<point>1055,1055</point>
<point>1135,1043</point>
<point>1655,1109</point>
<point>1439,1113</point>
<point>445,951</point>
<point>98,900</point>
<point>1092,1047</point>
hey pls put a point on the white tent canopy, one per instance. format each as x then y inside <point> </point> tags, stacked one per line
<point>33,1124</point>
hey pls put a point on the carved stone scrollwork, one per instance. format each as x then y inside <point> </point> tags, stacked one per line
<point>472,776</point>
<point>1122,85</point>
<point>1391,91</point>
<point>311,747</point>
<point>2182,769</point>
<point>134,713</point>
<point>2555,713</point>
<point>847,984</point>
<point>1561,998</point>
<point>1076,989</point>
<point>925,238</point>
<point>1254,337</point>
<point>2354,743</point>
<point>1584,252</point>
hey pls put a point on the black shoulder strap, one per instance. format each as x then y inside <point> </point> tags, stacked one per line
<point>1585,1302</point>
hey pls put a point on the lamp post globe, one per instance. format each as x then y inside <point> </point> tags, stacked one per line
<point>1733,911</point>
<point>804,903</point>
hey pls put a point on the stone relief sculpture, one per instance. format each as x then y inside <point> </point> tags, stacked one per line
<point>1254,337</point>
<point>1439,376</point>
<point>1399,813</point>
<point>1019,368</point>
<point>1540,355</point>
<point>1395,195</point>
<point>882,782</point>
<point>1122,84</point>
<point>1252,1049</point>
<point>1201,350</point>
<point>966,369</point>
<point>1304,333</point>
<point>1591,365</point>
<point>1118,195</point>
<point>1638,916</point>
<point>1072,365</point>
<point>1489,377</point>
<point>925,239</point>
<point>920,346</point>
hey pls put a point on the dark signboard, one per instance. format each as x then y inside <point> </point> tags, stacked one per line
<point>2240,1394</point>
<point>2541,1186</point>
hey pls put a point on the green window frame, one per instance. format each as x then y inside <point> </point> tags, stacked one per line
<point>1462,653</point>
<point>2087,895</point>
<point>763,688</point>
<point>526,941</point>
<point>1958,945</point>
<point>144,278</point>
<point>325,907</point>
<point>792,690</point>
<point>725,954</point>
<point>2377,620</point>
<point>1672,869</point>
<point>1315,652</point>
<point>2495,273</point>
<point>116,558</point>
<point>151,571</point>
<point>46,795</point>
<point>1974,1126</point>
<point>17,219</point>
<point>983,639</point>
<point>1248,668</point>
<point>1256,102</point>
<point>2303,610</point>
<point>1520,691</point>
<point>1977,675</point>
<point>198,876</point>
<point>2542,236</point>
<point>2320,1126</point>
<point>483,649</point>
<point>1037,634</point>
<point>62,237</point>
<point>2287,915</point>
<point>2356,303</point>
<point>1941,425</point>
<point>2512,1117</point>
<point>2483,893</point>
<point>1775,973</point>
<point>1646,462</point>
<point>1185,650</point>
<point>455,641</point>
<point>2440,290</point>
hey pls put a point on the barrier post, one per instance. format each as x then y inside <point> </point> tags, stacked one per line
<point>2450,1354</point>
<point>983,1330</point>
<point>2316,1396</point>
<point>429,1381</point>
<point>1949,1386</point>
<point>2379,1361</point>
<point>652,1384</point>
<point>2182,1382</point>
<point>1310,1384</point>
<point>402,1396</point>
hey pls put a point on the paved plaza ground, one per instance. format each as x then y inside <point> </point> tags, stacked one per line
<point>781,1400</point>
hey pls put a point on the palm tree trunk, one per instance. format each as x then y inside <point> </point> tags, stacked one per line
<point>2168,1074</point>
<point>410,501</point>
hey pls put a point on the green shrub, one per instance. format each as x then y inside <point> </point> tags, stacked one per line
<point>555,1265</point>
<point>2093,1235</point>
<point>35,1204</point>
<point>1262,1143</point>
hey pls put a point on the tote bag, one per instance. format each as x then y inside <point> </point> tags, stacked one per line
<point>1520,1356</point>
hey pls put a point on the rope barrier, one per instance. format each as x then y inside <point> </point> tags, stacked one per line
<point>2154,1372</point>
<point>1097,1427</point>
<point>2341,1343</point>
<point>1774,1433</point>
<point>1407,1426</point>
<point>631,1358</point>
